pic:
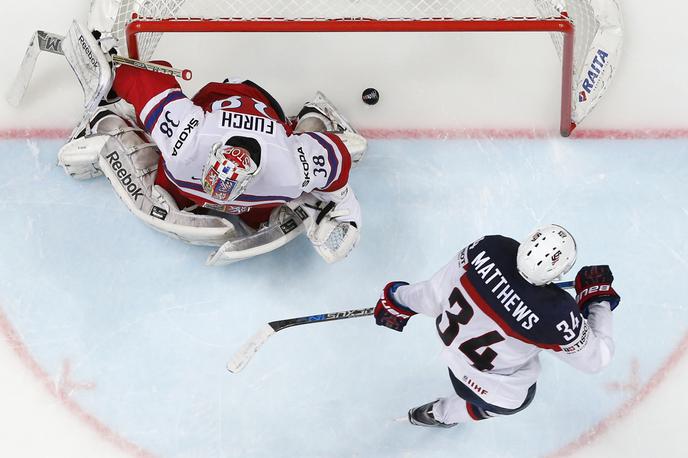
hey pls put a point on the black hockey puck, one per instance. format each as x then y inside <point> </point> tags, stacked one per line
<point>370,96</point>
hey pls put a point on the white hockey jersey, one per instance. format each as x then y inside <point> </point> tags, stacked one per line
<point>186,129</point>
<point>494,323</point>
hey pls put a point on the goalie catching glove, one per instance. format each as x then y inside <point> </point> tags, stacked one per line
<point>332,220</point>
<point>594,284</point>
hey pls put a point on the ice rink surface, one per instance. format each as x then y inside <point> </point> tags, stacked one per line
<point>114,338</point>
<point>132,328</point>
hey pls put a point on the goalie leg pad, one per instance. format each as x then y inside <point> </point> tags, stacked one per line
<point>284,226</point>
<point>154,206</point>
<point>79,157</point>
<point>321,115</point>
<point>310,119</point>
<point>129,161</point>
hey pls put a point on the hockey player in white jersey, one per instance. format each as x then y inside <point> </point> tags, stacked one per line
<point>495,310</point>
<point>230,165</point>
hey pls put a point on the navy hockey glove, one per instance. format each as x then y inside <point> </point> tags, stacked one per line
<point>390,313</point>
<point>594,283</point>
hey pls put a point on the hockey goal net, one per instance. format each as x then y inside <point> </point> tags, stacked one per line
<point>587,34</point>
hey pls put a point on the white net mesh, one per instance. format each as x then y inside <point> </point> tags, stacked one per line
<point>588,21</point>
<point>333,9</point>
<point>579,12</point>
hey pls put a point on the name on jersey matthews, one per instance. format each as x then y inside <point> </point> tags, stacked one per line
<point>504,292</point>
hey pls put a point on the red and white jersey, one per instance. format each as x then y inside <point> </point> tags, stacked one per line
<point>186,129</point>
<point>493,323</point>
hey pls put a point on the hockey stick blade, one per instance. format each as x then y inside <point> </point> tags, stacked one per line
<point>41,41</point>
<point>246,352</point>
<point>242,357</point>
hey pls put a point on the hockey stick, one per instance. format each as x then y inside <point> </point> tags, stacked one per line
<point>242,357</point>
<point>184,74</point>
<point>246,352</point>
<point>52,43</point>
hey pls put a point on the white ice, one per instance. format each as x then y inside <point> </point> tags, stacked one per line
<point>117,337</point>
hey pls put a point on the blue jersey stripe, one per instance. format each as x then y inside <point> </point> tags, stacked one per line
<point>250,198</point>
<point>182,184</point>
<point>155,113</point>
<point>334,163</point>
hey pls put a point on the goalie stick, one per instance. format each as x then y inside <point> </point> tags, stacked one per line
<point>242,357</point>
<point>52,43</point>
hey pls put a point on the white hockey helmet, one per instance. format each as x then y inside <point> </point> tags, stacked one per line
<point>228,172</point>
<point>548,253</point>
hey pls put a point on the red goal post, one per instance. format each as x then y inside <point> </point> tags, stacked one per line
<point>587,34</point>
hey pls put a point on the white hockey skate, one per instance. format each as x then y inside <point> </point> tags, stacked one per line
<point>321,109</point>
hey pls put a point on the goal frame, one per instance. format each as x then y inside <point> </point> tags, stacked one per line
<point>561,24</point>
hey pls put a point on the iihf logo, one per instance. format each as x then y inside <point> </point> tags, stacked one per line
<point>555,257</point>
<point>582,96</point>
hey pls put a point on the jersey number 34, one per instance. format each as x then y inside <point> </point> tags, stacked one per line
<point>449,323</point>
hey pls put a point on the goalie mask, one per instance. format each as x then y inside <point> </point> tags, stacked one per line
<point>228,172</point>
<point>548,253</point>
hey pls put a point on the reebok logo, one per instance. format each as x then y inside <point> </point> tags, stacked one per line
<point>123,176</point>
<point>87,50</point>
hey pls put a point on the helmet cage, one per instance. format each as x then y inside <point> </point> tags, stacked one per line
<point>228,172</point>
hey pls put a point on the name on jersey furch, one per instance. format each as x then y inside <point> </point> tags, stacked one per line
<point>242,121</point>
<point>504,292</point>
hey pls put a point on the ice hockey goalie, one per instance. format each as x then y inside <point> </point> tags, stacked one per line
<point>225,167</point>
